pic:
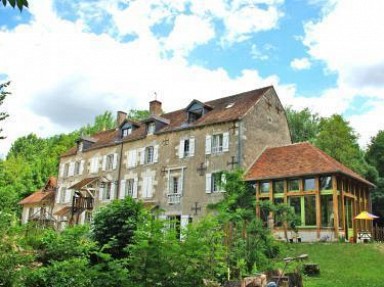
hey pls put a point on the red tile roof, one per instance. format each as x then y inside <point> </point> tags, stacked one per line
<point>83,183</point>
<point>223,110</point>
<point>38,197</point>
<point>295,160</point>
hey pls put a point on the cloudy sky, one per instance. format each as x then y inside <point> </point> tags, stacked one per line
<point>72,60</point>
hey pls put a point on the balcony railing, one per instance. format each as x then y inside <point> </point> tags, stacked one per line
<point>174,198</point>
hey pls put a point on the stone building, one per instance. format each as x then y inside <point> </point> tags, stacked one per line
<point>171,161</point>
<point>325,195</point>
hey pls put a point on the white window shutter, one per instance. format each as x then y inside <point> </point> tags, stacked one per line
<point>57,195</point>
<point>81,168</point>
<point>68,194</point>
<point>142,155</point>
<point>181,148</point>
<point>122,189</point>
<point>71,169</point>
<point>208,144</point>
<point>208,183</point>
<point>101,191</point>
<point>115,158</point>
<point>184,220</point>
<point>223,182</point>
<point>156,153</point>
<point>61,170</point>
<point>226,141</point>
<point>191,146</point>
<point>104,165</point>
<point>131,158</point>
<point>147,187</point>
<point>113,190</point>
<point>135,182</point>
<point>134,158</point>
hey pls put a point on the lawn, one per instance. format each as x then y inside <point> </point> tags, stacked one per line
<point>343,264</point>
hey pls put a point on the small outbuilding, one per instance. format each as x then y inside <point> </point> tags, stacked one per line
<point>324,194</point>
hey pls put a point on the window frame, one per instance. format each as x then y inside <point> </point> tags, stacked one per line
<point>217,145</point>
<point>149,154</point>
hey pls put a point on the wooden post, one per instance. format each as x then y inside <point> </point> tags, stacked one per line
<point>318,207</point>
<point>285,223</point>
<point>335,206</point>
<point>342,197</point>
<point>257,199</point>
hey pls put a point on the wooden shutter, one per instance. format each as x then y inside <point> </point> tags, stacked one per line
<point>81,168</point>
<point>131,158</point>
<point>226,141</point>
<point>113,191</point>
<point>115,158</point>
<point>71,169</point>
<point>181,148</point>
<point>61,170</point>
<point>101,191</point>
<point>122,189</point>
<point>135,182</point>
<point>104,164</point>
<point>191,146</point>
<point>208,183</point>
<point>155,153</point>
<point>208,144</point>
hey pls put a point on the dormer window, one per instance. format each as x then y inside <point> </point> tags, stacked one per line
<point>151,128</point>
<point>195,115</point>
<point>196,110</point>
<point>80,146</point>
<point>127,131</point>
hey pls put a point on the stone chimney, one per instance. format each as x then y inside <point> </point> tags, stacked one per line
<point>155,108</point>
<point>121,116</point>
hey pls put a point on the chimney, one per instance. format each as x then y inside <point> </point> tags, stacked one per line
<point>155,108</point>
<point>121,116</point>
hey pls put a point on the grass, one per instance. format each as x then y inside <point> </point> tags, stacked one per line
<point>342,264</point>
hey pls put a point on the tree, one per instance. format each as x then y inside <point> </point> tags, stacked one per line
<point>375,152</point>
<point>138,115</point>
<point>115,225</point>
<point>3,94</point>
<point>303,125</point>
<point>16,3</point>
<point>338,139</point>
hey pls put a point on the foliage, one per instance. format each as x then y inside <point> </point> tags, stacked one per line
<point>3,94</point>
<point>102,122</point>
<point>115,225</point>
<point>375,152</point>
<point>20,4</point>
<point>159,258</point>
<point>138,115</point>
<point>338,139</point>
<point>303,125</point>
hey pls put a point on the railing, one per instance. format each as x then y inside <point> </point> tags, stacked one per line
<point>174,198</point>
<point>82,203</point>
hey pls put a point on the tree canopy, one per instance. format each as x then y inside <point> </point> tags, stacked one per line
<point>3,94</point>
<point>20,4</point>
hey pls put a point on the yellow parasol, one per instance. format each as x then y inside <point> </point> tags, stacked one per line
<point>366,215</point>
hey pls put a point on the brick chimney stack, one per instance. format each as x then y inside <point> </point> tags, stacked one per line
<point>155,108</point>
<point>121,116</point>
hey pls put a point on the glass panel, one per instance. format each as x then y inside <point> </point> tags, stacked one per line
<point>277,219</point>
<point>325,183</point>
<point>327,216</point>
<point>295,202</point>
<point>278,186</point>
<point>309,184</point>
<point>264,187</point>
<point>310,210</point>
<point>293,185</point>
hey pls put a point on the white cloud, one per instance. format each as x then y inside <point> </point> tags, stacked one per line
<point>63,75</point>
<point>300,64</point>
<point>348,40</point>
<point>258,54</point>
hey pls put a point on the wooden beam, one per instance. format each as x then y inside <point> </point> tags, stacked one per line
<point>335,206</point>
<point>318,207</point>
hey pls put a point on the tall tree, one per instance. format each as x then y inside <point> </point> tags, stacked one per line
<point>375,152</point>
<point>338,139</point>
<point>303,125</point>
<point>20,4</point>
<point>3,94</point>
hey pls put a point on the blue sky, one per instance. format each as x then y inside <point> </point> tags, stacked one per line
<point>71,60</point>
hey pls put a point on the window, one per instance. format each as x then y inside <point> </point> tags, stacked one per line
<point>327,211</point>
<point>80,146</point>
<point>264,187</point>
<point>277,217</point>
<point>278,186</point>
<point>147,187</point>
<point>293,185</point>
<point>215,182</point>
<point>66,169</point>
<point>109,161</point>
<point>310,210</point>
<point>107,191</point>
<point>295,203</point>
<point>149,152</point>
<point>175,185</point>
<point>77,167</point>
<point>129,187</point>
<point>309,184</point>
<point>217,143</point>
<point>151,128</point>
<point>127,131</point>
<point>325,183</point>
<point>187,147</point>
<point>174,223</point>
<point>62,194</point>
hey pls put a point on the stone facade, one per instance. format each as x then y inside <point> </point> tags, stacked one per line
<point>177,165</point>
